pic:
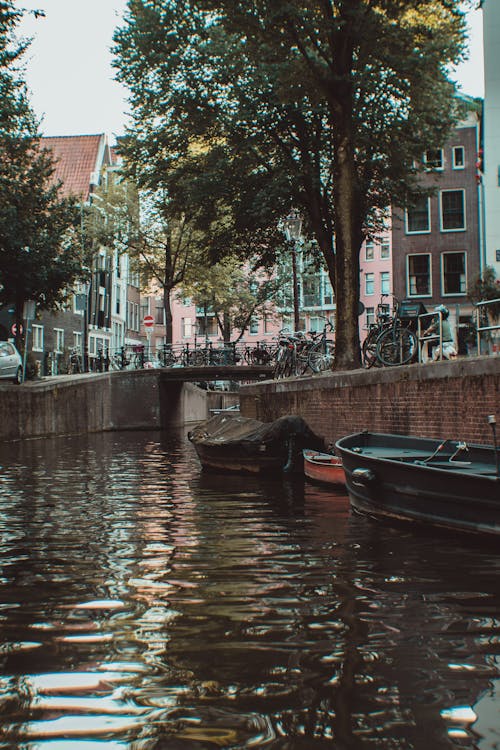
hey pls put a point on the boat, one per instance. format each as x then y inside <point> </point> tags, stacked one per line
<point>446,483</point>
<point>232,443</point>
<point>323,467</point>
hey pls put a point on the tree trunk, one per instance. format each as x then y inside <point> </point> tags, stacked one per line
<point>348,239</point>
<point>169,331</point>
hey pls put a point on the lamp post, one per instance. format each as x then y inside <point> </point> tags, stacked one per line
<point>292,227</point>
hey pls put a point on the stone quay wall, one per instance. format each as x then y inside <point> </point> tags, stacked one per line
<point>443,399</point>
<point>437,400</point>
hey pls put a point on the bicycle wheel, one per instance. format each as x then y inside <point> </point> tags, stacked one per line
<point>396,347</point>
<point>279,367</point>
<point>321,356</point>
<point>369,349</point>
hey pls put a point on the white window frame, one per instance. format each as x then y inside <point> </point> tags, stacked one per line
<point>454,161</point>
<point>452,190</point>
<point>408,286</point>
<point>454,294</point>
<point>370,316</point>
<point>59,340</point>
<point>369,244</point>
<point>431,166</point>
<point>253,327</point>
<point>419,231</point>
<point>385,276</point>
<point>385,243</point>
<point>186,327</point>
<point>369,277</point>
<point>37,334</point>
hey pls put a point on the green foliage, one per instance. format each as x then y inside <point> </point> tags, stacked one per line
<point>319,104</point>
<point>234,292</point>
<point>486,287</point>
<point>40,249</point>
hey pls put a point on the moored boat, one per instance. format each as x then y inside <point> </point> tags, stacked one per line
<point>446,483</point>
<point>234,443</point>
<point>323,467</point>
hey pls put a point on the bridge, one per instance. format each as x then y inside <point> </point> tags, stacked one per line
<point>209,373</point>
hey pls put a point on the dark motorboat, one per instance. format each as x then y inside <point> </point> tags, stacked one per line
<point>239,444</point>
<point>446,483</point>
<point>323,467</point>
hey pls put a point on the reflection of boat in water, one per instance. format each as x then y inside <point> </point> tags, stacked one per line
<point>323,467</point>
<point>238,444</point>
<point>445,483</point>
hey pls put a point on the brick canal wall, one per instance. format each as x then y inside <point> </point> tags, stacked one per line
<point>442,399</point>
<point>445,399</point>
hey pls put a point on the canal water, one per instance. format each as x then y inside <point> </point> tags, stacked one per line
<point>145,604</point>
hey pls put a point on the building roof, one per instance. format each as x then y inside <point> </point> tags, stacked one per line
<point>78,161</point>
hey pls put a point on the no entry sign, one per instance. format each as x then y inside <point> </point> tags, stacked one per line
<point>148,321</point>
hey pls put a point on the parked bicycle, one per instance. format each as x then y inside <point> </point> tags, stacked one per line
<point>75,362</point>
<point>382,322</point>
<point>318,353</point>
<point>397,344</point>
<point>261,353</point>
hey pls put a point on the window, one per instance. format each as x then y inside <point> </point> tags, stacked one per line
<point>385,282</point>
<point>370,316</point>
<point>316,324</point>
<point>433,158</point>
<point>254,326</point>
<point>159,312</point>
<point>268,323</point>
<point>458,157</point>
<point>369,283</point>
<point>207,326</point>
<point>385,249</point>
<point>187,328</point>
<point>453,269</point>
<point>452,210</point>
<point>77,340</point>
<point>369,250</point>
<point>419,275</point>
<point>58,340</point>
<point>117,298</point>
<point>327,292</point>
<point>37,338</point>
<point>418,218</point>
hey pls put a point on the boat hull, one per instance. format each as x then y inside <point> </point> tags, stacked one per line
<point>394,477</point>
<point>240,445</point>
<point>323,467</point>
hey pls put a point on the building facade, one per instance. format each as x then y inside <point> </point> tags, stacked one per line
<point>491,164</point>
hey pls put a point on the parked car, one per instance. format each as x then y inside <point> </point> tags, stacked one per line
<point>11,363</point>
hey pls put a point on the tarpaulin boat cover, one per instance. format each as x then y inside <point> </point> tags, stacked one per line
<point>226,429</point>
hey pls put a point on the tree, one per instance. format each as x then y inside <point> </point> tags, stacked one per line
<point>235,293</point>
<point>40,249</point>
<point>335,100</point>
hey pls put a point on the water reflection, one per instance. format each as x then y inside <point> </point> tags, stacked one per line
<point>145,604</point>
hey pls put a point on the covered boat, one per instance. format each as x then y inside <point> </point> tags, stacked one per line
<point>446,483</point>
<point>239,444</point>
<point>323,467</point>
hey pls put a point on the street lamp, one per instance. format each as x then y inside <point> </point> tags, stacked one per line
<point>292,226</point>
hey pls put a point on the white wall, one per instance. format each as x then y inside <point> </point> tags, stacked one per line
<point>491,33</point>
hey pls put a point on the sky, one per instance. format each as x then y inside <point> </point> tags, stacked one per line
<point>69,71</point>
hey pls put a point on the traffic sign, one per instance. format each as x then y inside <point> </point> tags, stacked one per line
<point>148,321</point>
<point>14,329</point>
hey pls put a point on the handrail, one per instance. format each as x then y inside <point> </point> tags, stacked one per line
<point>432,336</point>
<point>480,329</point>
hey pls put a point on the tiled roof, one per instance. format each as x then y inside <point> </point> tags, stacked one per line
<point>78,158</point>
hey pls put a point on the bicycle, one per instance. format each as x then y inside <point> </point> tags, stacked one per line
<point>369,346</point>
<point>119,359</point>
<point>318,353</point>
<point>75,364</point>
<point>260,354</point>
<point>166,356</point>
<point>397,344</point>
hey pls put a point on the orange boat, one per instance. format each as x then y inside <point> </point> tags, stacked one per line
<point>323,467</point>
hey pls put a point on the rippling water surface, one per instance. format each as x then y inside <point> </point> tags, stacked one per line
<point>144,604</point>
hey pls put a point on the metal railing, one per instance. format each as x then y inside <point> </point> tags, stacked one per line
<point>484,326</point>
